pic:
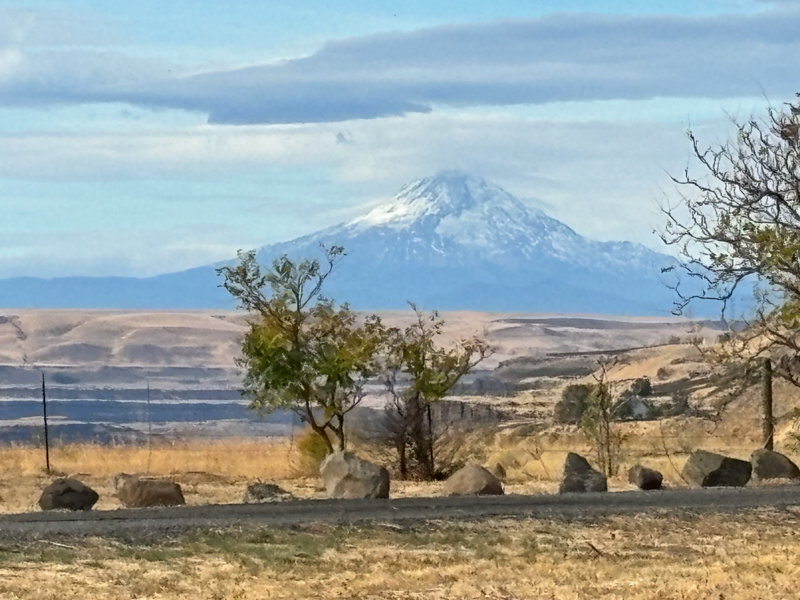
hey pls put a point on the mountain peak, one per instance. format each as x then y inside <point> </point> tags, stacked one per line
<point>449,241</point>
<point>445,195</point>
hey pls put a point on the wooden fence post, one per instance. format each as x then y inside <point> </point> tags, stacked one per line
<point>767,424</point>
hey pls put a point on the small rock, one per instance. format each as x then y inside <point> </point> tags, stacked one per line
<point>579,476</point>
<point>707,469</point>
<point>473,480</point>
<point>347,476</point>
<point>259,493</point>
<point>69,494</point>
<point>644,478</point>
<point>137,492</point>
<point>772,465</point>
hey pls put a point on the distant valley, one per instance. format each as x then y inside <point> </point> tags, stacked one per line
<point>99,364</point>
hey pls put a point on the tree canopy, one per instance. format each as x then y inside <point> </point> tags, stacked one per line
<point>418,371</point>
<point>302,352</point>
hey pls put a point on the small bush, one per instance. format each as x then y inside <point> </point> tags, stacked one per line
<point>312,452</point>
<point>654,411</point>
<point>573,402</point>
<point>642,387</point>
<point>663,373</point>
<point>673,340</point>
<point>679,405</point>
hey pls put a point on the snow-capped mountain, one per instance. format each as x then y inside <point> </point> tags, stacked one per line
<point>456,241</point>
<point>450,241</point>
<point>455,209</point>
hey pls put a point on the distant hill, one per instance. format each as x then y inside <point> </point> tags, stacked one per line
<point>450,241</point>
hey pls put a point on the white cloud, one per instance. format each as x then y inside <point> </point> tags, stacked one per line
<point>600,177</point>
<point>10,62</point>
<point>56,27</point>
<point>550,59</point>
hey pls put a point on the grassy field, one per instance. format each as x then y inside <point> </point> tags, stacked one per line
<point>209,472</point>
<point>748,556</point>
<point>217,472</point>
<point>755,555</point>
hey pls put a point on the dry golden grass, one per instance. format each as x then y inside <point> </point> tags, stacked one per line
<point>243,458</point>
<point>213,472</point>
<point>217,472</point>
<point>755,555</point>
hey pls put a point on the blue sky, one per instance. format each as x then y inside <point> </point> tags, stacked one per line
<point>144,137</point>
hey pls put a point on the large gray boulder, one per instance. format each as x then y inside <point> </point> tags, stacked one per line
<point>707,469</point>
<point>644,478</point>
<point>67,494</point>
<point>259,493</point>
<point>579,476</point>
<point>139,492</point>
<point>473,480</point>
<point>772,465</point>
<point>347,476</point>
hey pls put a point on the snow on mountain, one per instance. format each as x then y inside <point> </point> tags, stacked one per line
<point>450,241</point>
<point>465,210</point>
<point>456,241</point>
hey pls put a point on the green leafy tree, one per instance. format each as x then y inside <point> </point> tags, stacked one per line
<point>569,409</point>
<point>301,351</point>
<point>419,372</point>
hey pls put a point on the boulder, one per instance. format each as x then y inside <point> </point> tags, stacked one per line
<point>499,471</point>
<point>138,492</point>
<point>579,476</point>
<point>772,465</point>
<point>259,493</point>
<point>644,478</point>
<point>707,469</point>
<point>473,480</point>
<point>68,494</point>
<point>345,475</point>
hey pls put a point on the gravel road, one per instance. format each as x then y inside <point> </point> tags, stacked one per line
<point>156,521</point>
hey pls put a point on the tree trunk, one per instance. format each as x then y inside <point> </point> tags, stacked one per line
<point>324,435</point>
<point>307,414</point>
<point>767,424</point>
<point>431,465</point>
<point>340,434</point>
<point>401,455</point>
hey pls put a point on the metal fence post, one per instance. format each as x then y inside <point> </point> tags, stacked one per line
<point>46,432</point>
